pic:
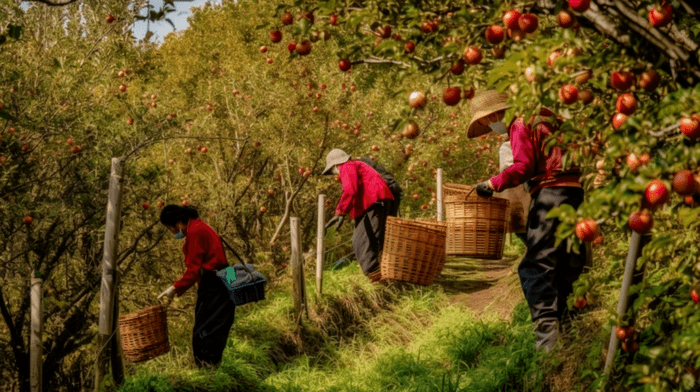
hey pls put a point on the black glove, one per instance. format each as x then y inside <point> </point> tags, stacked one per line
<point>482,189</point>
<point>336,220</point>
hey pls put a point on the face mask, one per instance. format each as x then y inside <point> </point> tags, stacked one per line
<point>335,170</point>
<point>179,235</point>
<point>499,127</point>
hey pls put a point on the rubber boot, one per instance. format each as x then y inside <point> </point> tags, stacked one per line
<point>546,333</point>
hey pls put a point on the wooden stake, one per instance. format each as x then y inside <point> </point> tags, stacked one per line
<point>109,259</point>
<point>297,269</point>
<point>35,340</point>
<point>320,245</point>
<point>439,195</point>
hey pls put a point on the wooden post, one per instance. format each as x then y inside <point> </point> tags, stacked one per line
<point>320,245</point>
<point>439,195</point>
<point>299,291</point>
<point>632,255</point>
<point>109,259</point>
<point>35,339</point>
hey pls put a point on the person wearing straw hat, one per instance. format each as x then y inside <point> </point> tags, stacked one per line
<point>204,255</point>
<point>367,199</point>
<point>547,271</point>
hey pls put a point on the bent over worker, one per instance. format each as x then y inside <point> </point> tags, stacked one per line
<point>367,199</point>
<point>204,255</point>
<point>547,271</point>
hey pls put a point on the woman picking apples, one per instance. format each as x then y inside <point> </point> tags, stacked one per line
<point>368,200</point>
<point>204,255</point>
<point>547,271</point>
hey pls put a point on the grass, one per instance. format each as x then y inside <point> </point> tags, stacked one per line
<point>359,337</point>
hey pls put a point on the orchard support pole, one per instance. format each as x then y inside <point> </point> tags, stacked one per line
<point>439,195</point>
<point>299,291</point>
<point>632,255</point>
<point>35,339</point>
<point>320,246</point>
<point>109,259</point>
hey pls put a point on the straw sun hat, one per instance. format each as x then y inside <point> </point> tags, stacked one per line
<point>483,104</point>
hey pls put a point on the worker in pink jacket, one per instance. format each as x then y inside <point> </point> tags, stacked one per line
<point>367,199</point>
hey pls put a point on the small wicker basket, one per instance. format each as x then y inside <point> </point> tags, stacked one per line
<point>414,250</point>
<point>144,334</point>
<point>476,225</point>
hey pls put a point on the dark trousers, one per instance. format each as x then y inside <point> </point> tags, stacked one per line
<point>368,236</point>
<point>213,319</point>
<point>547,272</point>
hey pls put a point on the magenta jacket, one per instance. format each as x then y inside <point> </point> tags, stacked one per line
<point>362,187</point>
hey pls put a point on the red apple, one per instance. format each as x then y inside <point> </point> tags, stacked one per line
<point>307,173</point>
<point>110,18</point>
<point>694,296</point>
<point>649,80</point>
<point>618,120</point>
<point>598,241</point>
<point>160,204</point>
<point>275,36</point>
<point>263,209</point>
<point>622,80</point>
<point>411,131</point>
<point>472,55</point>
<point>185,202</point>
<point>626,104</point>
<point>409,47</point>
<point>644,158</point>
<point>684,183</point>
<point>256,144</point>
<point>553,57</point>
<point>584,77</point>
<point>587,230</point>
<point>304,47</point>
<point>568,94</point>
<point>270,61</point>
<point>530,74</point>
<point>334,19</point>
<point>690,126</point>
<point>287,18</point>
<point>516,35</point>
<point>630,346</point>
<point>353,88</point>
<point>291,46</point>
<point>661,17</point>
<point>510,19</point>
<point>621,333</point>
<point>28,220</point>
<point>633,162</point>
<point>457,68</point>
<point>498,52</point>
<point>528,23</point>
<point>565,19</point>
<point>323,86</point>
<point>383,31</point>
<point>210,108</point>
<point>416,196</point>
<point>641,221</point>
<point>145,205</point>
<point>121,74</point>
<point>494,34</point>
<point>451,96</point>
<point>344,65</point>
<point>580,5</point>
<point>263,49</point>
<point>417,100</point>
<point>122,87</point>
<point>468,94</point>
<point>374,147</point>
<point>586,96</point>
<point>75,149</point>
<point>656,193</point>
<point>204,150</point>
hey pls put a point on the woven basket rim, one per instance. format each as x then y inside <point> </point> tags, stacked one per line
<point>155,309</point>
<point>460,198</point>
<point>428,224</point>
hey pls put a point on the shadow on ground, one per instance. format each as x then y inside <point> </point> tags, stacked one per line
<point>464,275</point>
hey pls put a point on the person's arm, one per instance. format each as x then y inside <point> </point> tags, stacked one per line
<point>523,166</point>
<point>196,251</point>
<point>348,177</point>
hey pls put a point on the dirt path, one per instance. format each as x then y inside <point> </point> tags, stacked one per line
<point>485,286</point>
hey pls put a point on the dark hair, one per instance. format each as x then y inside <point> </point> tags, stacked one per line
<point>173,213</point>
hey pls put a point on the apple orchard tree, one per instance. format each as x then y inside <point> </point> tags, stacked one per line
<point>622,74</point>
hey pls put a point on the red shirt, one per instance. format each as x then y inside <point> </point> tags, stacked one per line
<point>203,250</point>
<point>362,187</point>
<point>532,163</point>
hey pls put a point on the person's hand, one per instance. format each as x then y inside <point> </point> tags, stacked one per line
<point>169,294</point>
<point>483,189</point>
<point>336,220</point>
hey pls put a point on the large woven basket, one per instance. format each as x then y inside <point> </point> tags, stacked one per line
<point>455,189</point>
<point>144,334</point>
<point>476,225</point>
<point>414,250</point>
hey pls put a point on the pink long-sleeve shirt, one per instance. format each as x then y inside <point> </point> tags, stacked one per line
<point>362,187</point>
<point>532,163</point>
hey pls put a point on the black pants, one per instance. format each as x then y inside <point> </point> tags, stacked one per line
<point>213,319</point>
<point>368,236</point>
<point>547,272</point>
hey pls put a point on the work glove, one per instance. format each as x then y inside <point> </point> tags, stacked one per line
<point>169,294</point>
<point>336,220</point>
<point>483,189</point>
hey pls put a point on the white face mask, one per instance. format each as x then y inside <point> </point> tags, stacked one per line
<point>499,127</point>
<point>335,170</point>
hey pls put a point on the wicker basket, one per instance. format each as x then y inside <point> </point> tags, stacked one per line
<point>144,334</point>
<point>414,251</point>
<point>476,225</point>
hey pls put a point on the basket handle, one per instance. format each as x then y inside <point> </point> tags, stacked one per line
<point>230,248</point>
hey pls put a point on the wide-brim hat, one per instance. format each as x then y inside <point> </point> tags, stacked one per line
<point>335,157</point>
<point>483,104</point>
